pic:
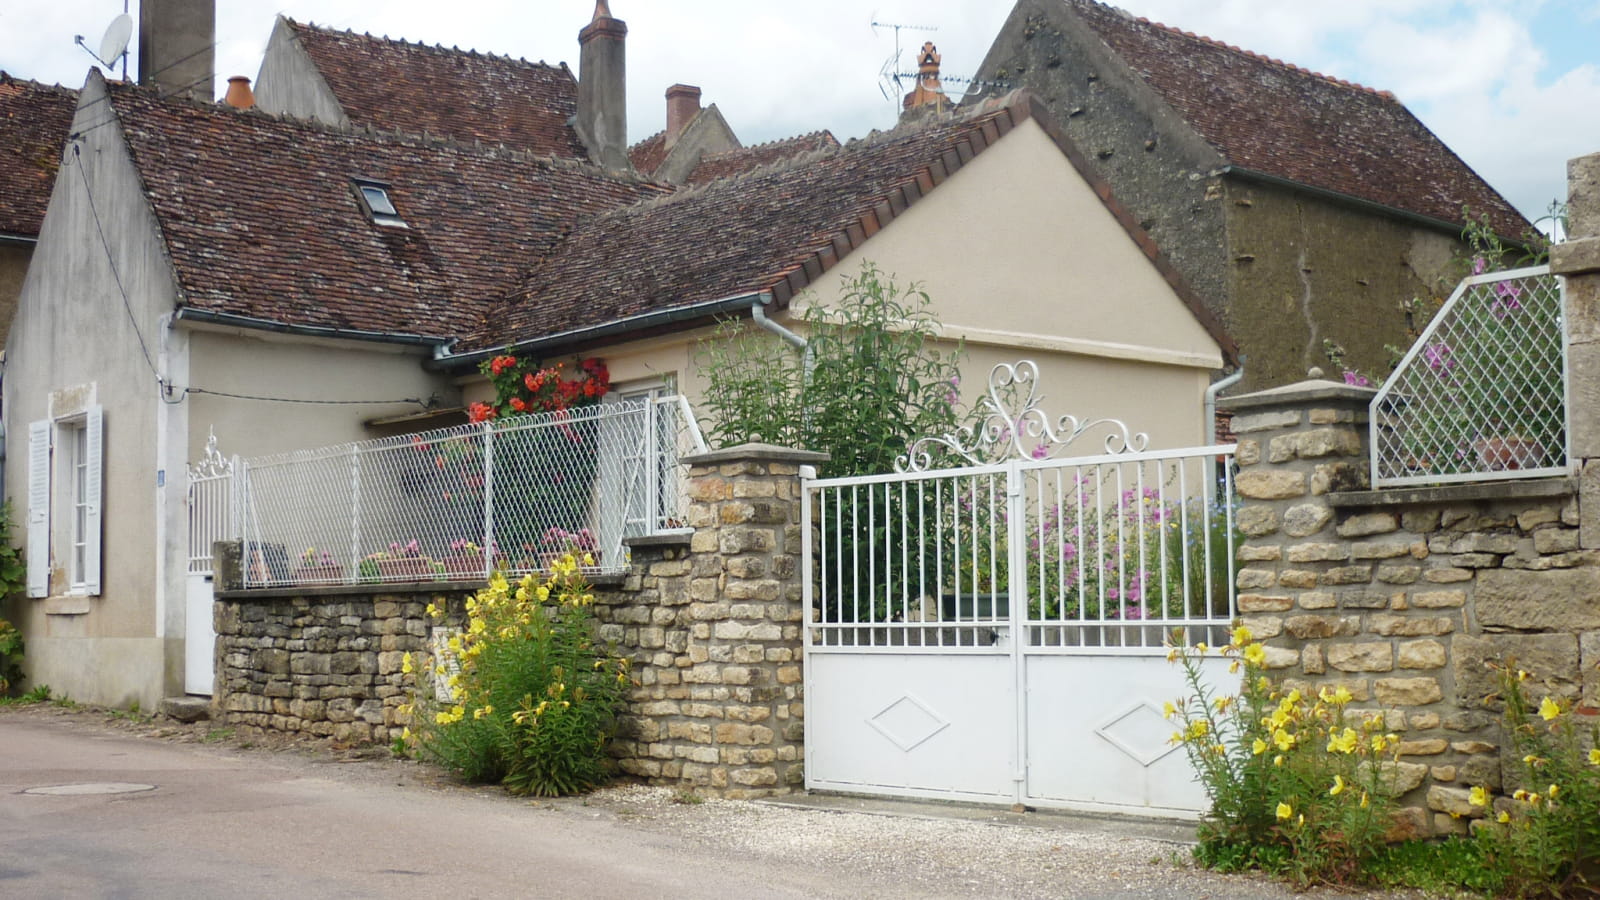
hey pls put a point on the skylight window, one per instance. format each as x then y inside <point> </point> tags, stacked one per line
<point>375,194</point>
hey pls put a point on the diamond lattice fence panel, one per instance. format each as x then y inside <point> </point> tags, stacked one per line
<point>1481,395</point>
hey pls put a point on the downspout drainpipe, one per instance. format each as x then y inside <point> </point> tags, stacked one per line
<point>758,313</point>
<point>1211,417</point>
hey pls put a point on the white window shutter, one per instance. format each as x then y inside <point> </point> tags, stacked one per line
<point>94,446</point>
<point>39,508</point>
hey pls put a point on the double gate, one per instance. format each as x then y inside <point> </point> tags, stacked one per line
<point>1000,632</point>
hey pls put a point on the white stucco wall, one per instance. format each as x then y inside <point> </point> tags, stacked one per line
<point>261,364</point>
<point>75,331</point>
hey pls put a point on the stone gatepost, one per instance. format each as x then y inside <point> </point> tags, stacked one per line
<point>1578,260</point>
<point>713,622</point>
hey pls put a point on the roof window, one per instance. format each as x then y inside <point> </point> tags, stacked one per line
<point>375,195</point>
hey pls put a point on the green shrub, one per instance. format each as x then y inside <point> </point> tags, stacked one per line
<point>1544,839</point>
<point>533,700</point>
<point>1297,784</point>
<point>874,381</point>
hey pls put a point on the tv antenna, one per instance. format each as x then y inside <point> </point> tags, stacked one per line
<point>113,44</point>
<point>889,76</point>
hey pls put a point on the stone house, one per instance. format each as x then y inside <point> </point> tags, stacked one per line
<point>257,266</point>
<point>1300,207</point>
<point>34,119</point>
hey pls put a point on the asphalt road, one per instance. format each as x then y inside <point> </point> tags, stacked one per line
<point>222,820</point>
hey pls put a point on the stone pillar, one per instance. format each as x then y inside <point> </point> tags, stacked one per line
<point>714,630</point>
<point>1578,260</point>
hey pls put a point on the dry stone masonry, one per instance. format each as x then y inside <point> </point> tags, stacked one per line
<point>712,620</point>
<point>1406,596</point>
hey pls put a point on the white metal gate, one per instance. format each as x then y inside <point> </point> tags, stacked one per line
<point>999,632</point>
<point>213,516</point>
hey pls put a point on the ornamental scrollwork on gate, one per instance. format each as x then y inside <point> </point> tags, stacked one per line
<point>1006,429</point>
<point>213,464</point>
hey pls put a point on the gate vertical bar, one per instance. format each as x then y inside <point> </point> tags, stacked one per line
<point>355,509</point>
<point>1017,579</point>
<point>808,550</point>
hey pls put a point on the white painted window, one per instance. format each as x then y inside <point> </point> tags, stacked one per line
<point>64,487</point>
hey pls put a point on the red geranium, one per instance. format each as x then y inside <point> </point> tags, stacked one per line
<point>526,387</point>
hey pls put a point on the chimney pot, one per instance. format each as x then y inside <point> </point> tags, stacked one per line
<point>239,95</point>
<point>683,104</point>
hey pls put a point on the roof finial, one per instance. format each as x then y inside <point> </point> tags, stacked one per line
<point>602,10</point>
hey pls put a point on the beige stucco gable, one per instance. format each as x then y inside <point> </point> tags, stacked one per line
<point>1016,249</point>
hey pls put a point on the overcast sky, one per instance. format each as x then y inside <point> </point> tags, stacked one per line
<point>1513,88</point>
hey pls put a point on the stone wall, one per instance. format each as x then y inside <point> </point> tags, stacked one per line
<point>1406,596</point>
<point>711,621</point>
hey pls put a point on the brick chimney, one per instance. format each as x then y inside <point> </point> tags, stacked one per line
<point>175,46</point>
<point>683,104</point>
<point>602,89</point>
<point>929,91</point>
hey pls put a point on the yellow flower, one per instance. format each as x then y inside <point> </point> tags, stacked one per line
<point>1255,655</point>
<point>1503,818</point>
<point>1168,710</point>
<point>1342,695</point>
<point>482,711</point>
<point>1198,729</point>
<point>1519,794</point>
<point>1553,791</point>
<point>1222,703</point>
<point>1478,796</point>
<point>1379,742</point>
<point>588,560</point>
<point>405,734</point>
<point>1278,760</point>
<point>1242,636</point>
<point>1294,697</point>
<point>1338,786</point>
<point>433,611</point>
<point>1283,739</point>
<point>1344,743</point>
<point>1172,655</point>
<point>1365,800</point>
<point>1522,674</point>
<point>1201,648</point>
<point>405,664</point>
<point>1549,709</point>
<point>1285,811</point>
<point>1258,747</point>
<point>1594,757</point>
<point>1233,667</point>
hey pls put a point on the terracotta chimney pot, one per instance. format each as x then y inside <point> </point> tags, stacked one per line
<point>683,104</point>
<point>239,95</point>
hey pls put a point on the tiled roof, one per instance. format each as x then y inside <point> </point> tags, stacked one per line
<point>735,162</point>
<point>776,228</point>
<point>1271,117</point>
<point>649,153</point>
<point>34,120</point>
<point>260,218</point>
<point>464,95</point>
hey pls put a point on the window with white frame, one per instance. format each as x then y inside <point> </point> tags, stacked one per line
<point>64,501</point>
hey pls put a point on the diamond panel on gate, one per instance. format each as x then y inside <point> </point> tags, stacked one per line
<point>1141,732</point>
<point>908,723</point>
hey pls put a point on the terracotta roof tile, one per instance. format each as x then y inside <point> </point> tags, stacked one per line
<point>34,120</point>
<point>774,228</point>
<point>734,162</point>
<point>649,153</point>
<point>1275,118</point>
<point>460,94</point>
<point>260,217</point>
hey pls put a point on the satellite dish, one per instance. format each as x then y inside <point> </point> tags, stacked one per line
<point>115,42</point>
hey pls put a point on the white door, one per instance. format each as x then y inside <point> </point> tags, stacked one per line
<point>199,637</point>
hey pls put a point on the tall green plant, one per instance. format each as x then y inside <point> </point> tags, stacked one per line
<point>13,577</point>
<point>870,382</point>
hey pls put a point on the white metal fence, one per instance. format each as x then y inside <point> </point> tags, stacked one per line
<point>1482,394</point>
<point>458,503</point>
<point>1116,551</point>
<point>213,506</point>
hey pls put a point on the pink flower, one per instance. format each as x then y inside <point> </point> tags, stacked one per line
<point>1479,265</point>
<point>1352,377</point>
